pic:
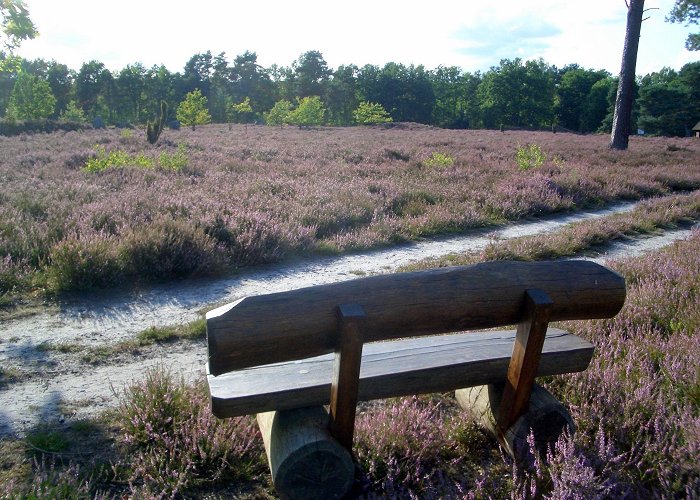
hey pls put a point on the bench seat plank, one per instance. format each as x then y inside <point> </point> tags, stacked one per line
<point>393,368</point>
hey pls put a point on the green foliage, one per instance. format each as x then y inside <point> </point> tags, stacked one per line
<point>688,12</point>
<point>15,127</point>
<point>279,113</point>
<point>174,161</point>
<point>115,159</point>
<point>439,160</point>
<point>308,113</point>
<point>663,110</point>
<point>118,158</point>
<point>31,98</point>
<point>192,110</point>
<point>368,113</point>
<point>154,129</point>
<point>517,94</point>
<point>73,113</point>
<point>242,111</point>
<point>530,156</point>
<point>15,26</point>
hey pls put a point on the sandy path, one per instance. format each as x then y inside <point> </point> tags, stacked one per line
<point>67,389</point>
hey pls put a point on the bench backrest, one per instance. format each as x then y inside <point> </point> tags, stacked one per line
<point>303,323</point>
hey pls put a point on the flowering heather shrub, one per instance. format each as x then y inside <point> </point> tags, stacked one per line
<point>173,442</point>
<point>51,481</point>
<point>641,393</point>
<point>413,447</point>
<point>169,249</point>
<point>82,264</point>
<point>271,192</point>
<point>575,238</point>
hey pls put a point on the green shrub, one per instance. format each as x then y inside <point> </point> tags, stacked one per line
<point>368,113</point>
<point>174,442</point>
<point>530,156</point>
<point>17,127</point>
<point>176,161</point>
<point>78,264</point>
<point>168,249</point>
<point>115,159</point>
<point>439,160</point>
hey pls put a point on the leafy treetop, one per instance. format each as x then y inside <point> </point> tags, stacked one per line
<point>687,11</point>
<point>368,113</point>
<point>192,110</point>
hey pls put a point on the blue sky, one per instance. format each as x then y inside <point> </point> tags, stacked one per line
<point>471,34</point>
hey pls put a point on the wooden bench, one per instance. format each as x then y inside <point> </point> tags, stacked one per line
<point>285,355</point>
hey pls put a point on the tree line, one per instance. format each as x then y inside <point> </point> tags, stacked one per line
<point>516,93</point>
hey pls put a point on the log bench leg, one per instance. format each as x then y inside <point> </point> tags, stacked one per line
<point>305,461</point>
<point>545,417</point>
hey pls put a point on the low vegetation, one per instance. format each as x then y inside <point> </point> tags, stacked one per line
<point>637,410</point>
<point>73,218</point>
<point>650,216</point>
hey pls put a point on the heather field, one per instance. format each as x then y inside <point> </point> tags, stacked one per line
<point>637,411</point>
<point>102,208</point>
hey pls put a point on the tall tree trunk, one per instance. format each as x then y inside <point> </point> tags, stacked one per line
<point>625,90</point>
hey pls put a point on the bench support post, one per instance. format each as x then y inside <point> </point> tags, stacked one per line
<point>305,461</point>
<point>346,374</point>
<point>546,418</point>
<point>525,359</point>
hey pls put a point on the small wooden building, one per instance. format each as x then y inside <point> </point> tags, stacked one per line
<point>696,130</point>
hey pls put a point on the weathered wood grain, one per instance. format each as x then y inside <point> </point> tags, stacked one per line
<point>525,358</point>
<point>395,368</point>
<point>346,373</point>
<point>305,461</point>
<point>546,418</point>
<point>302,323</point>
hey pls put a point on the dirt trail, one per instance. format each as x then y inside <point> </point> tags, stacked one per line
<point>68,389</point>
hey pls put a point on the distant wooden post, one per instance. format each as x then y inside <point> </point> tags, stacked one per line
<point>346,373</point>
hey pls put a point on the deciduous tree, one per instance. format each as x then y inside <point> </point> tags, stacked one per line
<point>368,113</point>
<point>279,113</point>
<point>192,111</point>
<point>15,26</point>
<point>308,113</point>
<point>31,98</point>
<point>688,12</point>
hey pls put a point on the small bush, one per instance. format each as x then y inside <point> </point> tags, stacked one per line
<point>83,264</point>
<point>12,275</point>
<point>412,448</point>
<point>174,161</point>
<point>530,156</point>
<point>17,127</point>
<point>170,249</point>
<point>439,160</point>
<point>173,442</point>
<point>51,481</point>
<point>115,159</point>
<point>98,123</point>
